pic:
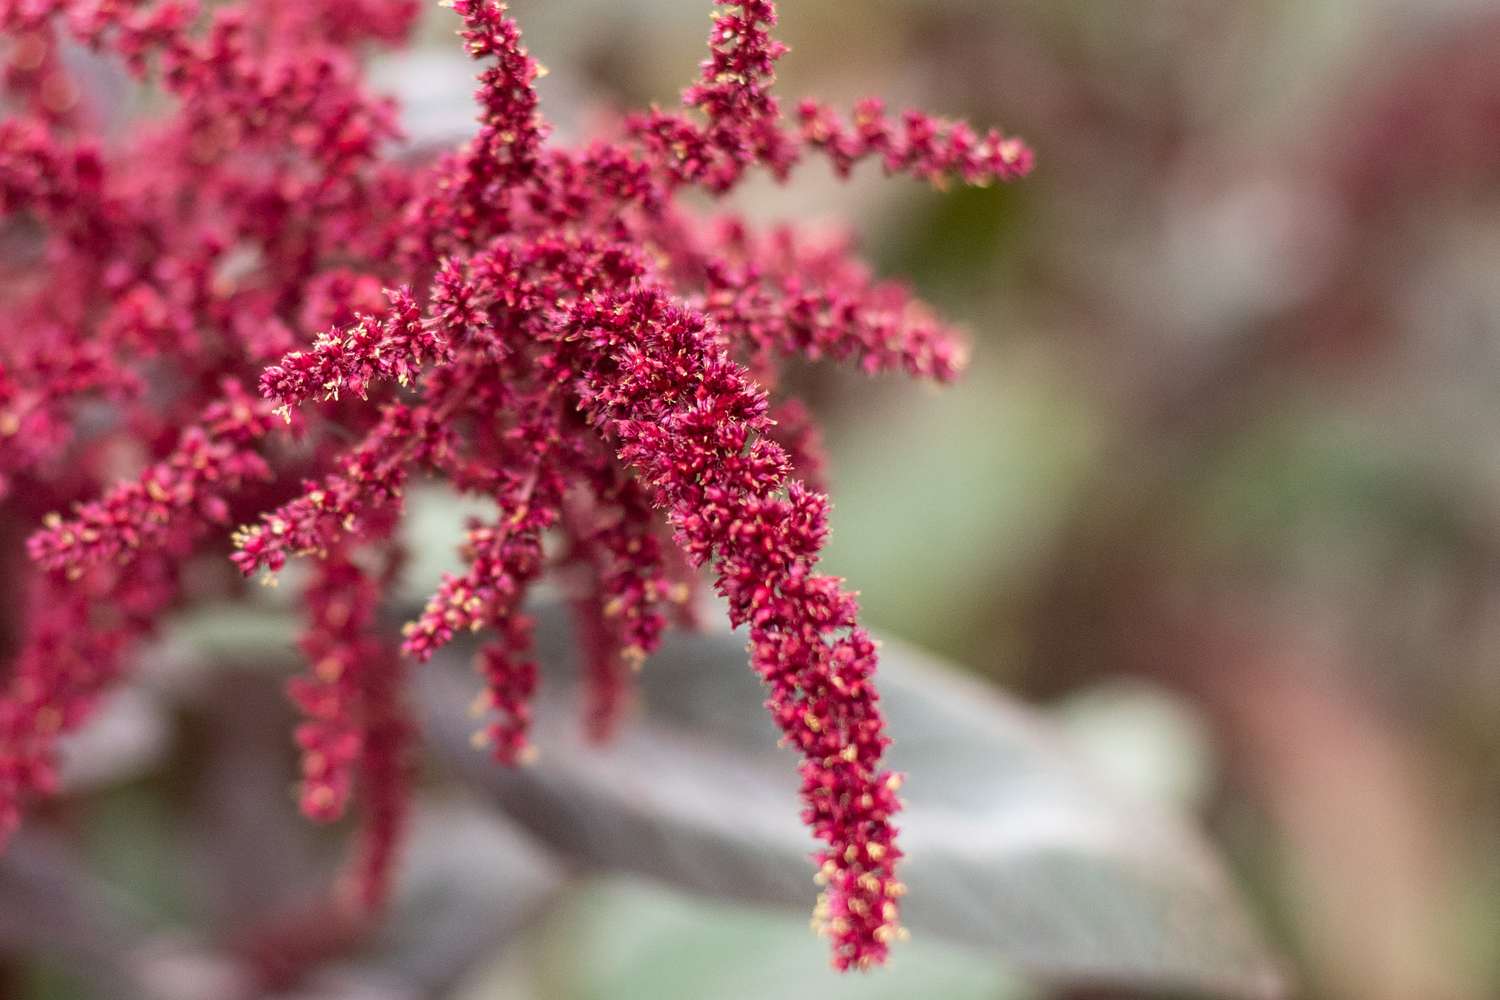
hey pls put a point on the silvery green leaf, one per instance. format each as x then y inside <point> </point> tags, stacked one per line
<point>1013,843</point>
<point>468,882</point>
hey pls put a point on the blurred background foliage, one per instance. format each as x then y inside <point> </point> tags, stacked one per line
<point>1219,494</point>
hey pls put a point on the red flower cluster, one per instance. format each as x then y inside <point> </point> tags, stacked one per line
<point>563,338</point>
<point>356,730</point>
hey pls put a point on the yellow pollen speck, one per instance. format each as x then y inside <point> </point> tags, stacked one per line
<point>819,922</point>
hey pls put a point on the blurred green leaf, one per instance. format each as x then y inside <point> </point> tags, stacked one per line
<point>949,241</point>
<point>469,881</point>
<point>56,909</point>
<point>1144,738</point>
<point>643,941</point>
<point>1013,844</point>
<point>944,503</point>
<point>130,843</point>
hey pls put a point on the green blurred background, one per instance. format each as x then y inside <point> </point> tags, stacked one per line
<point>1220,492</point>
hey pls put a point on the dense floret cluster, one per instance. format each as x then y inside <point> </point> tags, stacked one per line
<point>329,315</point>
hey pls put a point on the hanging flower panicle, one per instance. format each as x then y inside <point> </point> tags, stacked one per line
<point>562,336</point>
<point>355,731</point>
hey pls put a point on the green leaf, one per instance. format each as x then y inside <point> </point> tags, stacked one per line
<point>1013,844</point>
<point>644,941</point>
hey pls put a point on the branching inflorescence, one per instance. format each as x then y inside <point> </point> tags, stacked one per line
<point>559,336</point>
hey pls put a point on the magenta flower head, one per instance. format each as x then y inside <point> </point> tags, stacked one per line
<point>544,326</point>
